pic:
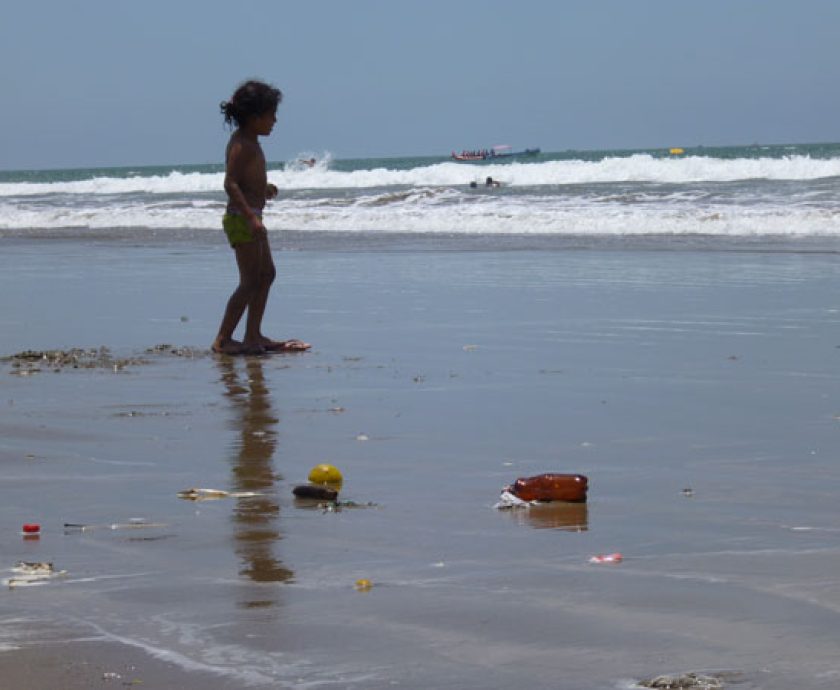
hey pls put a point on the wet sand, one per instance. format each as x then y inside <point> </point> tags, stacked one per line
<point>436,379</point>
<point>81,665</point>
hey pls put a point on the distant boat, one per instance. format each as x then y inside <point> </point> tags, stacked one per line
<point>492,154</point>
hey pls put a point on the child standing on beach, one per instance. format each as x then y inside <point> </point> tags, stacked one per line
<point>253,109</point>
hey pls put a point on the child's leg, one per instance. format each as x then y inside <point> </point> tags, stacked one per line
<point>248,259</point>
<point>266,273</point>
<point>256,309</point>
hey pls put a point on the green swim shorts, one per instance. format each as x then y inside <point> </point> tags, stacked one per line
<point>237,229</point>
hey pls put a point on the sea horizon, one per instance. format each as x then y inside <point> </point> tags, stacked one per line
<point>443,155</point>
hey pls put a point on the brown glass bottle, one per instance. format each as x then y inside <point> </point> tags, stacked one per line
<point>551,487</point>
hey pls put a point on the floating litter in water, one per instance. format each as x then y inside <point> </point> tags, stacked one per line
<point>363,585</point>
<point>31,529</point>
<point>607,558</point>
<point>362,437</point>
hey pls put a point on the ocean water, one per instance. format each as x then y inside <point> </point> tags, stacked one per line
<point>713,195</point>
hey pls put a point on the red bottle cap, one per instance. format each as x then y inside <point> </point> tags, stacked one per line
<point>31,528</point>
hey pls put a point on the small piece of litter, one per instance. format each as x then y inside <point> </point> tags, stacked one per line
<point>696,681</point>
<point>213,494</point>
<point>607,558</point>
<point>29,574</point>
<point>507,500</point>
<point>133,523</point>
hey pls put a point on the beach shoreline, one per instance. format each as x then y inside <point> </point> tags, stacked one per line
<point>432,242</point>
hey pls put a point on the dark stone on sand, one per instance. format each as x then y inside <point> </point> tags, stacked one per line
<point>319,493</point>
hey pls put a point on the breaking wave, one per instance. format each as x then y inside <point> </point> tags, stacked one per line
<point>634,168</point>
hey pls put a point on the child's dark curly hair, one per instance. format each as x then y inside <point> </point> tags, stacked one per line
<point>252,99</point>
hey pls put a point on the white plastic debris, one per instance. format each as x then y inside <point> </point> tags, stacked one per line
<point>29,574</point>
<point>213,494</point>
<point>507,500</point>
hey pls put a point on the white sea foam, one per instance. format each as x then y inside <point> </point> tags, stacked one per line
<point>794,196</point>
<point>635,168</point>
<point>174,183</point>
<point>192,648</point>
<point>451,213</point>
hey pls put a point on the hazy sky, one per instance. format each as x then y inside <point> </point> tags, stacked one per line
<point>111,82</point>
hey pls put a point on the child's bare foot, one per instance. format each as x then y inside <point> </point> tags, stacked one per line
<point>227,346</point>
<point>293,345</point>
<point>252,349</point>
